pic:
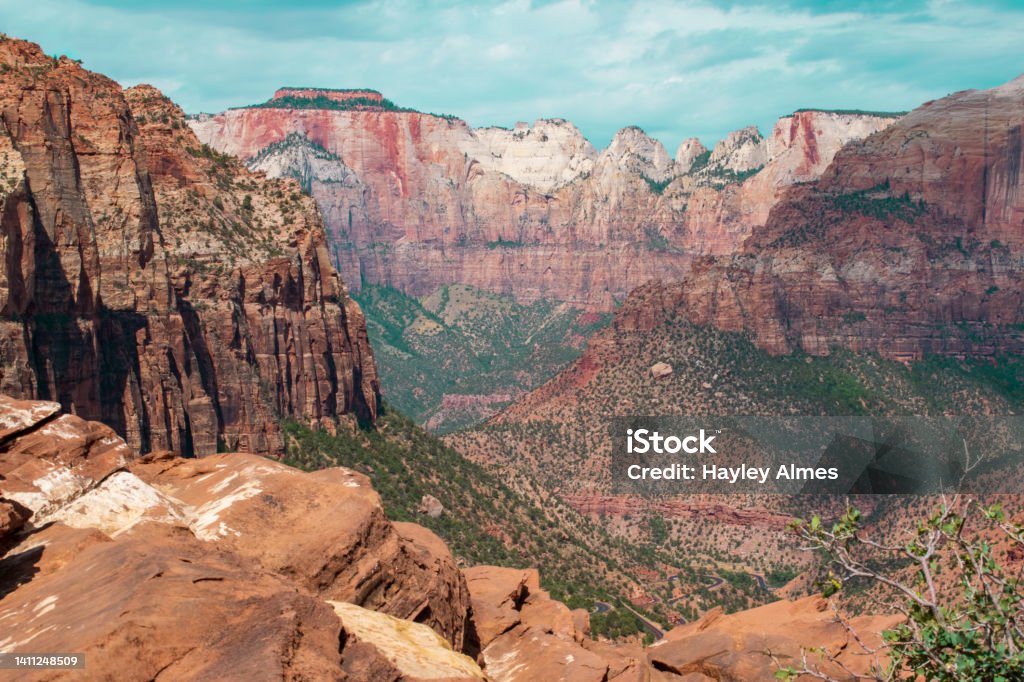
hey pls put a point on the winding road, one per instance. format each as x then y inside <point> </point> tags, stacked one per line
<point>654,629</point>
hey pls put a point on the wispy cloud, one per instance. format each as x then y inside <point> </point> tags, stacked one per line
<point>677,69</point>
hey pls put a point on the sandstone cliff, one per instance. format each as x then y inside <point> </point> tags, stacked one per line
<point>155,285</point>
<point>416,201</point>
<point>911,243</point>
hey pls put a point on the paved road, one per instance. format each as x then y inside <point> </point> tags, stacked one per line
<point>716,581</point>
<point>762,582</point>
<point>650,626</point>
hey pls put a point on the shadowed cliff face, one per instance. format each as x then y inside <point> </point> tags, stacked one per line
<point>416,202</point>
<point>154,285</point>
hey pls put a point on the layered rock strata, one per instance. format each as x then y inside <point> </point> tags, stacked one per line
<point>417,201</point>
<point>910,244</point>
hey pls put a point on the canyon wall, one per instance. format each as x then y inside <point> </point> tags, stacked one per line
<point>417,201</point>
<point>151,284</point>
<point>911,243</point>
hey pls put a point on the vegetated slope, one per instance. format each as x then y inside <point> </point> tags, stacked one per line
<point>557,440</point>
<point>456,357</point>
<point>154,284</point>
<point>484,521</point>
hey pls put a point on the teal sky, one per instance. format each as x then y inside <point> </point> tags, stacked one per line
<point>676,69</point>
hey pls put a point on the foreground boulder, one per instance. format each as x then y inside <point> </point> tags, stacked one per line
<point>740,646</point>
<point>230,567</point>
<point>380,645</point>
<point>523,634</point>
<point>326,530</point>
<point>158,602</point>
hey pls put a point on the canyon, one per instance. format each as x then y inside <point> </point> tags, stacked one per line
<point>909,245</point>
<point>891,285</point>
<point>158,287</point>
<point>419,205</point>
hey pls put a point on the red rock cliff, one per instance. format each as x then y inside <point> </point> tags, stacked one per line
<point>154,285</point>
<point>912,242</point>
<point>416,201</point>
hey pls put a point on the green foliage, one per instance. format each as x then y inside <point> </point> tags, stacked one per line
<point>878,204</point>
<point>465,342</point>
<point>1004,374</point>
<point>614,623</point>
<point>728,175</point>
<point>777,577</point>
<point>657,186</point>
<point>505,244</point>
<point>484,522</point>
<point>700,161</point>
<point>658,529</point>
<point>975,632</point>
<point>350,104</point>
<point>324,102</point>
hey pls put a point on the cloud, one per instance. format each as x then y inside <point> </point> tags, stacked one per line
<point>677,69</point>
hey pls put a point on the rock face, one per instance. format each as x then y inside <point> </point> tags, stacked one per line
<point>219,567</point>
<point>734,647</point>
<point>910,243</point>
<point>416,201</point>
<point>525,635</point>
<point>328,533</point>
<point>660,370</point>
<point>154,285</point>
<point>410,651</point>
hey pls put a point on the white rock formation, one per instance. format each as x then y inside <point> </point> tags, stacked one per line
<point>551,153</point>
<point>687,151</point>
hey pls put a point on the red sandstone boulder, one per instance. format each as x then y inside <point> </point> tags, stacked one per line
<point>326,530</point>
<point>738,646</point>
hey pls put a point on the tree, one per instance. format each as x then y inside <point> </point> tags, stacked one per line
<point>973,633</point>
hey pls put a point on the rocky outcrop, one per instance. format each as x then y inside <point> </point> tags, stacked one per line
<point>231,566</point>
<point>525,635</point>
<point>154,285</point>
<point>357,97</point>
<point>416,201</point>
<point>379,646</point>
<point>546,155</point>
<point>225,566</point>
<point>740,646</point>
<point>329,533</point>
<point>741,150</point>
<point>910,244</point>
<point>688,151</point>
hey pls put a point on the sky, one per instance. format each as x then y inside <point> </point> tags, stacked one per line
<point>677,69</point>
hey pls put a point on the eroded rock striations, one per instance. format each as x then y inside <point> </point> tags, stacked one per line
<point>417,201</point>
<point>152,284</point>
<point>911,243</point>
<point>229,566</point>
